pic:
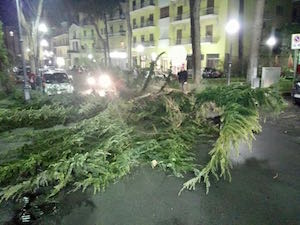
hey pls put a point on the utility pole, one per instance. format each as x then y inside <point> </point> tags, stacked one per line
<point>26,86</point>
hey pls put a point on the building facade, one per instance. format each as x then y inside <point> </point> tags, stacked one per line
<point>164,26</point>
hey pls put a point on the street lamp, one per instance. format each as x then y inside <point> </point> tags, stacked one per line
<point>140,49</point>
<point>232,27</point>
<point>44,43</point>
<point>43,28</point>
<point>271,42</point>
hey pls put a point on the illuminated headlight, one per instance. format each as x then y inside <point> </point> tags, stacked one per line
<point>91,81</point>
<point>298,84</point>
<point>104,81</point>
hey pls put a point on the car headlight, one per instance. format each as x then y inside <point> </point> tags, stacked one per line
<point>298,84</point>
<point>105,81</point>
<point>91,81</point>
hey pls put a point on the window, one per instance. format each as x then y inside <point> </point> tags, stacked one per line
<point>151,38</point>
<point>142,3</point>
<point>134,40</point>
<point>209,33</point>
<point>179,13</point>
<point>84,33</point>
<point>179,37</point>
<point>134,23</point>
<point>279,10</point>
<point>92,32</point>
<point>143,38</point>
<point>142,21</point>
<point>121,28</point>
<point>76,46</point>
<point>212,60</point>
<point>150,22</point>
<point>134,5</point>
<point>164,12</point>
<point>210,7</point>
<point>74,34</point>
<point>111,29</point>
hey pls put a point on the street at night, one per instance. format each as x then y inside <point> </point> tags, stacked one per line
<point>149,112</point>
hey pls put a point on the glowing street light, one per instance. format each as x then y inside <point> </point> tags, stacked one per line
<point>60,61</point>
<point>44,43</point>
<point>43,28</point>
<point>140,48</point>
<point>232,27</point>
<point>271,42</point>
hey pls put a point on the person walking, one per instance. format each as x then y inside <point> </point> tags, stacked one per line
<point>182,77</point>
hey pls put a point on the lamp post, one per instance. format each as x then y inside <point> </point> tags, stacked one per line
<point>232,28</point>
<point>26,86</point>
<point>271,42</point>
<point>140,49</point>
<point>41,29</point>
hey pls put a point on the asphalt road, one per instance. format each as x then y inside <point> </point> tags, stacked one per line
<point>265,189</point>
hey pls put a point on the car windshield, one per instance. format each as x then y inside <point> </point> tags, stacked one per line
<point>56,78</point>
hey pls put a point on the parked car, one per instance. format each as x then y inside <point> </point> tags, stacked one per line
<point>296,92</point>
<point>211,73</point>
<point>57,82</point>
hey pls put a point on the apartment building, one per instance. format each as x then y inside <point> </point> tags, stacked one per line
<point>164,26</point>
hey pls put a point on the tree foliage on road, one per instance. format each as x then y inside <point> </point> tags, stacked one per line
<point>159,128</point>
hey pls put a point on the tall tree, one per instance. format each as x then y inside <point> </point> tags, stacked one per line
<point>3,61</point>
<point>126,10</point>
<point>196,39</point>
<point>32,11</point>
<point>256,40</point>
<point>241,34</point>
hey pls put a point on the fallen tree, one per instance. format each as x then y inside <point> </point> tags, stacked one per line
<point>157,129</point>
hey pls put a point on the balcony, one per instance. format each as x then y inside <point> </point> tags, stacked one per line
<point>73,51</point>
<point>205,14</point>
<point>209,40</point>
<point>116,18</point>
<point>204,40</point>
<point>208,13</point>
<point>181,18</point>
<point>146,5</point>
<point>180,41</point>
<point>146,44</point>
<point>117,34</point>
<point>149,24</point>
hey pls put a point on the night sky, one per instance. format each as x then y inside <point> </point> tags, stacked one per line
<point>8,12</point>
<point>55,11</point>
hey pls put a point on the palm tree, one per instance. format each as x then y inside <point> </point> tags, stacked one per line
<point>196,39</point>
<point>256,40</point>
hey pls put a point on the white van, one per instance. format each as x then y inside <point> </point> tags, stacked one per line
<point>57,82</point>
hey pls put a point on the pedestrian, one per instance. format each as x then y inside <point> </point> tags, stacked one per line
<point>182,77</point>
<point>31,77</point>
